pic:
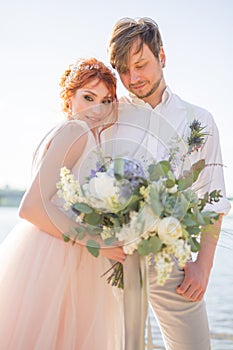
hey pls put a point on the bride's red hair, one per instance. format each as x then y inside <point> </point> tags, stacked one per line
<point>80,74</point>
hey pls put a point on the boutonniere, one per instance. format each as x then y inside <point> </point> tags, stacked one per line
<point>197,137</point>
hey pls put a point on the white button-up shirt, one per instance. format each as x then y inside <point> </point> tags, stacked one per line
<point>146,133</point>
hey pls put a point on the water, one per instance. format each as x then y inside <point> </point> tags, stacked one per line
<point>219,296</point>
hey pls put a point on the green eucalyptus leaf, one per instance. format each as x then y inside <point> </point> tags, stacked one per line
<point>81,235</point>
<point>209,217</point>
<point>155,244</point>
<point>93,247</point>
<point>180,207</point>
<point>66,237</point>
<point>191,197</point>
<point>189,220</point>
<point>171,180</point>
<point>158,170</point>
<point>156,205</point>
<point>93,231</point>
<point>119,167</point>
<point>195,245</point>
<point>152,245</point>
<point>110,240</point>
<point>191,176</point>
<point>129,204</point>
<point>96,230</point>
<point>144,247</point>
<point>152,171</point>
<point>80,229</point>
<point>83,208</point>
<point>215,196</point>
<point>93,219</point>
<point>73,235</point>
<point>203,201</point>
<point>199,218</point>
<point>210,214</point>
<point>170,183</point>
<point>116,222</point>
<point>78,233</point>
<point>170,175</point>
<point>194,230</point>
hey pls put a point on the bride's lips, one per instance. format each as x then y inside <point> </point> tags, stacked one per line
<point>94,119</point>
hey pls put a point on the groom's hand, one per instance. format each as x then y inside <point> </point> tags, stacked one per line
<point>195,282</point>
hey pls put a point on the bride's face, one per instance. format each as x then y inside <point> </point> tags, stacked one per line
<point>92,103</point>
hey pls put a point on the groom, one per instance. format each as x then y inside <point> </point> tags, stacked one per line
<point>136,52</point>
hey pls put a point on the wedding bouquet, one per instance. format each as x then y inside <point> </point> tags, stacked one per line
<point>148,209</point>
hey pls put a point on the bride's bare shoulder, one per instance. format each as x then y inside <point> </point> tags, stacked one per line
<point>73,125</point>
<point>71,130</point>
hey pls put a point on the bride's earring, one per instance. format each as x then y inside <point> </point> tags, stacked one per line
<point>70,109</point>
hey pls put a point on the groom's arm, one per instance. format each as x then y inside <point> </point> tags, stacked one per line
<point>197,272</point>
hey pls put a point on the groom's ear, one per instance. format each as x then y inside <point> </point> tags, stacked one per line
<point>162,57</point>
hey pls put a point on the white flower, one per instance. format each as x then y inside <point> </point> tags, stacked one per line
<point>80,218</point>
<point>68,188</point>
<point>103,186</point>
<point>149,220</point>
<point>106,233</point>
<point>102,192</point>
<point>64,171</point>
<point>93,201</point>
<point>182,251</point>
<point>169,230</point>
<point>173,189</point>
<point>163,266</point>
<point>145,191</point>
<point>130,234</point>
<point>129,248</point>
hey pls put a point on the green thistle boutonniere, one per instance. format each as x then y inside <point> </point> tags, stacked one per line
<point>197,137</point>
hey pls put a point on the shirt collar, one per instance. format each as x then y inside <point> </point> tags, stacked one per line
<point>165,99</point>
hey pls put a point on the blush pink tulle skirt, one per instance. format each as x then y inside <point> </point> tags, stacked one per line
<point>52,296</point>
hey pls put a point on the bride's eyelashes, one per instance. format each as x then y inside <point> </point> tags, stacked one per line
<point>88,98</point>
<point>105,101</point>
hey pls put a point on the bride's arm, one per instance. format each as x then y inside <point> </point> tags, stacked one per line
<point>64,150</point>
<point>36,207</point>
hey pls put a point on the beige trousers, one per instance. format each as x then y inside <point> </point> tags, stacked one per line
<point>183,323</point>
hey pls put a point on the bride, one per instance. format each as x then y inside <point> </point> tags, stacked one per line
<point>51,293</point>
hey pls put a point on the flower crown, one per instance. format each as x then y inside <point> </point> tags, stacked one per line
<point>79,67</point>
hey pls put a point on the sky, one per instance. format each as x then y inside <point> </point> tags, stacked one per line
<point>39,39</point>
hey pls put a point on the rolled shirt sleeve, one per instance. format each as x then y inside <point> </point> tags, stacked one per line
<point>212,176</point>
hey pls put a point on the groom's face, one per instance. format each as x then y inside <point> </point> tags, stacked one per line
<point>144,73</point>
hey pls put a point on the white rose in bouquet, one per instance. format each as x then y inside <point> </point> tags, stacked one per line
<point>104,189</point>
<point>169,230</point>
<point>103,186</point>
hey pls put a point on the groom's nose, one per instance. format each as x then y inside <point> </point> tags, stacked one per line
<point>133,76</point>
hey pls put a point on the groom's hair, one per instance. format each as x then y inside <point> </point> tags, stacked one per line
<point>125,33</point>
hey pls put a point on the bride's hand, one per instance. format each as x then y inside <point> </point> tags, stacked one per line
<point>114,253</point>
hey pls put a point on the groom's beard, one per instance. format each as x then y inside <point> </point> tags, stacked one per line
<point>150,92</point>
